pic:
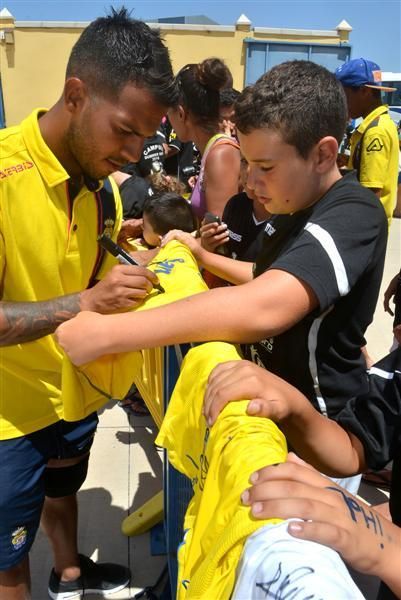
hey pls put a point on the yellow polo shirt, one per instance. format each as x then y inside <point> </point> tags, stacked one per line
<point>48,249</point>
<point>379,156</point>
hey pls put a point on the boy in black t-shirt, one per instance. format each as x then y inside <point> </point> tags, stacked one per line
<point>314,290</point>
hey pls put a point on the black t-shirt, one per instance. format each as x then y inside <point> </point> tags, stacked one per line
<point>171,163</point>
<point>375,418</point>
<point>246,235</point>
<point>152,159</point>
<point>133,192</point>
<point>337,247</point>
<point>183,164</point>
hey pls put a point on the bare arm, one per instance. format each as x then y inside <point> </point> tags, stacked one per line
<point>324,443</point>
<point>221,177</point>
<point>234,271</point>
<point>390,293</point>
<point>130,229</point>
<point>264,307</point>
<point>320,441</point>
<point>119,177</point>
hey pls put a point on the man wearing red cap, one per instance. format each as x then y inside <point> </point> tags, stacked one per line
<point>374,143</point>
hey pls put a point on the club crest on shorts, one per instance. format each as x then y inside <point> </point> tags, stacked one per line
<point>18,537</point>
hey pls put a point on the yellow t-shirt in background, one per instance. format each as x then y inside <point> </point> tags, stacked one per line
<point>379,156</point>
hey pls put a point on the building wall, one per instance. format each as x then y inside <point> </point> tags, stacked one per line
<point>199,45</point>
<point>32,68</point>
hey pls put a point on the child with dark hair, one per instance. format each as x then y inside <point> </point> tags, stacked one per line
<point>228,98</point>
<point>197,119</point>
<point>164,212</point>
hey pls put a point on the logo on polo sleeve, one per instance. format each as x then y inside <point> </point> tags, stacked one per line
<point>375,145</point>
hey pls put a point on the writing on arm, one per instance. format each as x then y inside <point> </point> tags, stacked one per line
<point>362,514</point>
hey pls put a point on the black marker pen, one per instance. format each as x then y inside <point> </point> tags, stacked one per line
<point>122,256</point>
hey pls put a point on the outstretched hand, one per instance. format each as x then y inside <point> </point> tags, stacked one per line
<point>390,294</point>
<point>330,516</point>
<point>124,286</point>
<point>185,238</point>
<point>268,395</point>
<point>130,229</point>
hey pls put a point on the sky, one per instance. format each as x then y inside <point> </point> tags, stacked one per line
<point>376,24</point>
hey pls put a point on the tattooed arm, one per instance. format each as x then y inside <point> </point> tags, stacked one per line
<point>123,287</point>
<point>27,321</point>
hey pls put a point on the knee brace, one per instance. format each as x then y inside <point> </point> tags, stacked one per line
<point>65,481</point>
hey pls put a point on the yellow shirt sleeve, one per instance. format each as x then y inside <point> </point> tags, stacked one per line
<point>375,158</point>
<point>2,253</point>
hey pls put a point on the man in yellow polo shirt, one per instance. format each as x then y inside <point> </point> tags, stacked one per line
<point>53,205</point>
<point>374,143</point>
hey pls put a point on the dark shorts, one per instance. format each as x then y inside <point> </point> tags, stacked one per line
<point>22,480</point>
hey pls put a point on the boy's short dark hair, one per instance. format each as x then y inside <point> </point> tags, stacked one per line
<point>228,96</point>
<point>169,211</point>
<point>116,50</point>
<point>300,99</point>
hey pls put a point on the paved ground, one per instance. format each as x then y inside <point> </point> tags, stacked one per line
<point>125,470</point>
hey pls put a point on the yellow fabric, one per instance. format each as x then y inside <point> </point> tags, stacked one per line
<point>87,388</point>
<point>219,462</point>
<point>47,249</point>
<point>379,157</point>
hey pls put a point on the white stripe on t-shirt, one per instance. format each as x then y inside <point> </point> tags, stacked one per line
<point>329,246</point>
<point>312,345</point>
<point>381,373</point>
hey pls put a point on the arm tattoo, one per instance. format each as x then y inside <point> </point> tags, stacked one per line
<point>27,321</point>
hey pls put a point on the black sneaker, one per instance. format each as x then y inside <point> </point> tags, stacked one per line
<point>102,578</point>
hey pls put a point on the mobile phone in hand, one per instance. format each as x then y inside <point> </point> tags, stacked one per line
<point>211,218</point>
